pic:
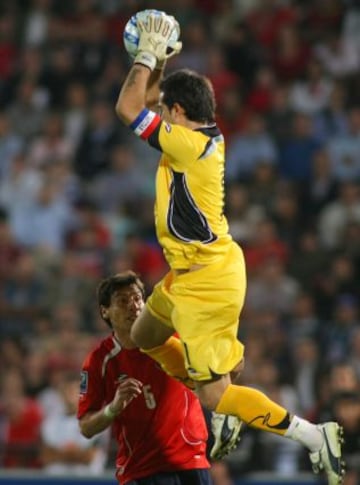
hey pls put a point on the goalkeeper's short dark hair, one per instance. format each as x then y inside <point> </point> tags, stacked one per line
<point>110,285</point>
<point>191,91</point>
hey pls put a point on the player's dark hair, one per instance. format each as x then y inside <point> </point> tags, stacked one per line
<point>108,286</point>
<point>191,91</point>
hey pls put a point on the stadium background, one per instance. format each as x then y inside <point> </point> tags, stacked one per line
<point>76,194</point>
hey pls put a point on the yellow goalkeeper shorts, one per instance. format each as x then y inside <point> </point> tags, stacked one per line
<point>203,307</point>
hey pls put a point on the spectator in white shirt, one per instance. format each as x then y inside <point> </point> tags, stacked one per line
<point>64,449</point>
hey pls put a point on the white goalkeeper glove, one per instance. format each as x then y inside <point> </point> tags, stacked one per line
<point>155,33</point>
<point>171,50</point>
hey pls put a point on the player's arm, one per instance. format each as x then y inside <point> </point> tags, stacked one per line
<point>153,88</point>
<point>132,99</point>
<point>93,422</point>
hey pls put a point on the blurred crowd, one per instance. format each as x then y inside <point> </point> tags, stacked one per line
<point>76,198</point>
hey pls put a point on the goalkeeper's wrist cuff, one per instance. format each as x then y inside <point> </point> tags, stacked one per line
<point>160,65</point>
<point>146,59</point>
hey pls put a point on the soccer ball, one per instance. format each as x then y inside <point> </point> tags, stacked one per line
<point>131,32</point>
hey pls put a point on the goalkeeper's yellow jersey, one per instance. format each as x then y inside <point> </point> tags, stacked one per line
<point>189,207</point>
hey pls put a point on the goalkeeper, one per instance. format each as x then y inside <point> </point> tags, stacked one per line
<point>202,295</point>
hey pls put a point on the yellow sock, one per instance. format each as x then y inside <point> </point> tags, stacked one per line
<point>171,358</point>
<point>253,407</point>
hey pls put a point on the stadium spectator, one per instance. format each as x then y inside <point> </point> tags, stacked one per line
<point>273,289</point>
<point>52,145</point>
<point>10,146</point>
<point>121,184</point>
<point>260,97</point>
<point>59,74</point>
<point>290,54</point>
<point>265,245</point>
<point>346,408</point>
<point>339,57</point>
<point>10,250</point>
<point>146,258</point>
<point>332,281</point>
<point>337,334</point>
<point>64,451</point>
<point>242,215</point>
<point>21,419</point>
<point>268,18</point>
<point>306,365</point>
<point>279,116</point>
<point>263,185</point>
<point>288,217</point>
<point>221,77</point>
<point>233,116</point>
<point>344,149</point>
<point>354,357</point>
<point>19,188</point>
<point>37,23</point>
<point>99,137</point>
<point>30,65</point>
<point>335,215</point>
<point>339,378</point>
<point>312,94</point>
<point>321,188</point>
<point>250,148</point>
<point>239,43</point>
<point>196,46</point>
<point>68,284</point>
<point>26,111</point>
<point>8,47</point>
<point>75,112</point>
<point>304,322</point>
<point>332,121</point>
<point>309,261</point>
<point>297,151</point>
<point>21,297</point>
<point>44,222</point>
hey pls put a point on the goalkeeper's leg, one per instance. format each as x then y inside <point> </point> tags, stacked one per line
<point>257,410</point>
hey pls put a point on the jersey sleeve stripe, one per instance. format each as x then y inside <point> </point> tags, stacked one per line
<point>146,122</point>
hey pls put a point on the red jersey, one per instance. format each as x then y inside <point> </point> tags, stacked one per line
<point>161,430</point>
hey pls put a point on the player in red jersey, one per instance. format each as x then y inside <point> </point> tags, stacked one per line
<point>157,421</point>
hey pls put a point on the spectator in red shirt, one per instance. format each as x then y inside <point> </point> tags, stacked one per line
<point>8,51</point>
<point>266,20</point>
<point>290,54</point>
<point>10,250</point>
<point>265,246</point>
<point>261,95</point>
<point>232,117</point>
<point>146,258</point>
<point>220,76</point>
<point>20,419</point>
<point>90,240</point>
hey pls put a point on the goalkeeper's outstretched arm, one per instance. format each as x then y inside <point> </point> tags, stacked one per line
<point>153,88</point>
<point>132,97</point>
